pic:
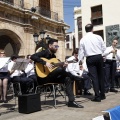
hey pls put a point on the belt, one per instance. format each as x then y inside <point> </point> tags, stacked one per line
<point>107,60</point>
<point>93,55</point>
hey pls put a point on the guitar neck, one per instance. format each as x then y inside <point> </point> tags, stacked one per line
<point>62,63</point>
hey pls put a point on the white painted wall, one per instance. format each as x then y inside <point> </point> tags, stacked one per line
<point>77,13</point>
<point>111,11</point>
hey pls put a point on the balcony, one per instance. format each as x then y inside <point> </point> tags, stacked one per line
<point>47,13</point>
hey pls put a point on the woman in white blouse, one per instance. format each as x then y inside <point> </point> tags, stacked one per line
<point>4,76</point>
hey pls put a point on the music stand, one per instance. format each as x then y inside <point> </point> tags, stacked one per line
<point>20,64</point>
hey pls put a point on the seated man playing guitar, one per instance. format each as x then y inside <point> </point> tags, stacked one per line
<point>47,72</point>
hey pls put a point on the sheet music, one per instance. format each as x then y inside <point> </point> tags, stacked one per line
<point>20,64</point>
<point>3,61</point>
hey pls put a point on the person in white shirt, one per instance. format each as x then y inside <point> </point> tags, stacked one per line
<point>92,47</point>
<point>21,76</point>
<point>111,54</point>
<point>30,71</point>
<point>79,73</point>
<point>4,77</point>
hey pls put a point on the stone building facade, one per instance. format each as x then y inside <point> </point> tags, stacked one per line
<point>18,24</point>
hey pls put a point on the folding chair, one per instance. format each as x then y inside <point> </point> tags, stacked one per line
<point>47,86</point>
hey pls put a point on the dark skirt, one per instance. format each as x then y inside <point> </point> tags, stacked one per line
<point>4,75</point>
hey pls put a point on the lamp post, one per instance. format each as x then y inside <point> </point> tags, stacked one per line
<point>42,33</point>
<point>36,38</point>
<point>47,39</point>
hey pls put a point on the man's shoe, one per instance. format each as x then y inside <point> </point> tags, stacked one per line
<point>74,104</point>
<point>113,90</point>
<point>107,90</point>
<point>96,99</point>
<point>103,97</point>
<point>87,93</point>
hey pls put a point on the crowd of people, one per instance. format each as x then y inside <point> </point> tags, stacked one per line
<point>93,64</point>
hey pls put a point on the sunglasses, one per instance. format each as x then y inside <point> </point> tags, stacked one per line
<point>56,46</point>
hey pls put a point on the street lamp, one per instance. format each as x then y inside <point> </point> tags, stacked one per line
<point>36,38</point>
<point>47,39</point>
<point>42,33</point>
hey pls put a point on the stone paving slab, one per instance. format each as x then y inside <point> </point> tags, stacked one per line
<point>48,112</point>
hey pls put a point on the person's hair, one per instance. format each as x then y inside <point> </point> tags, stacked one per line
<point>75,51</point>
<point>13,57</point>
<point>88,27</point>
<point>51,41</point>
<point>116,38</point>
<point>28,56</point>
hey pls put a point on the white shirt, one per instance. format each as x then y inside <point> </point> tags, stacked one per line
<point>16,72</point>
<point>109,55</point>
<point>4,69</point>
<point>91,44</point>
<point>74,68</point>
<point>4,64</point>
<point>30,69</point>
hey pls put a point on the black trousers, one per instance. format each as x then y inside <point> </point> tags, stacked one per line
<point>59,75</point>
<point>110,70</point>
<point>25,82</point>
<point>117,76</point>
<point>95,67</point>
<point>85,80</point>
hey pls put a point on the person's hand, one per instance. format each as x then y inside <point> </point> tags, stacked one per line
<point>113,51</point>
<point>65,64</point>
<point>49,65</point>
<point>81,67</point>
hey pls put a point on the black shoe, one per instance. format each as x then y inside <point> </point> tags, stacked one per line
<point>87,93</point>
<point>1,101</point>
<point>96,99</point>
<point>103,97</point>
<point>74,104</point>
<point>107,90</point>
<point>5,101</point>
<point>113,90</point>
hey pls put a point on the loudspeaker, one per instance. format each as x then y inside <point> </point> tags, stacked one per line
<point>29,103</point>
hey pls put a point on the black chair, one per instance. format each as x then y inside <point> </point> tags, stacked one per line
<point>53,88</point>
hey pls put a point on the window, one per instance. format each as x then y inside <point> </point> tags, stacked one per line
<point>45,8</point>
<point>79,22</point>
<point>100,32</point>
<point>67,38</point>
<point>96,15</point>
<point>44,4</point>
<point>67,45</point>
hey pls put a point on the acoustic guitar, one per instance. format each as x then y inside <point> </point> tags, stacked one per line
<point>43,71</point>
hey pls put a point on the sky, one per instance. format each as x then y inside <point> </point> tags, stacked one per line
<point>69,12</point>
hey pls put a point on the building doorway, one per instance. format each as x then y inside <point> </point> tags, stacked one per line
<point>9,42</point>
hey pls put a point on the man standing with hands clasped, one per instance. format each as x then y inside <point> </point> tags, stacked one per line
<point>92,47</point>
<point>111,54</point>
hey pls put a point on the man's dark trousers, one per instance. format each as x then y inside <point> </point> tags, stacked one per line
<point>95,67</point>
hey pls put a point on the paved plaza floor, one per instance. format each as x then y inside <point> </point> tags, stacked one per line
<point>62,112</point>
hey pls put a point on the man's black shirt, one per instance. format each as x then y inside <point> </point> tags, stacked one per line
<point>45,54</point>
